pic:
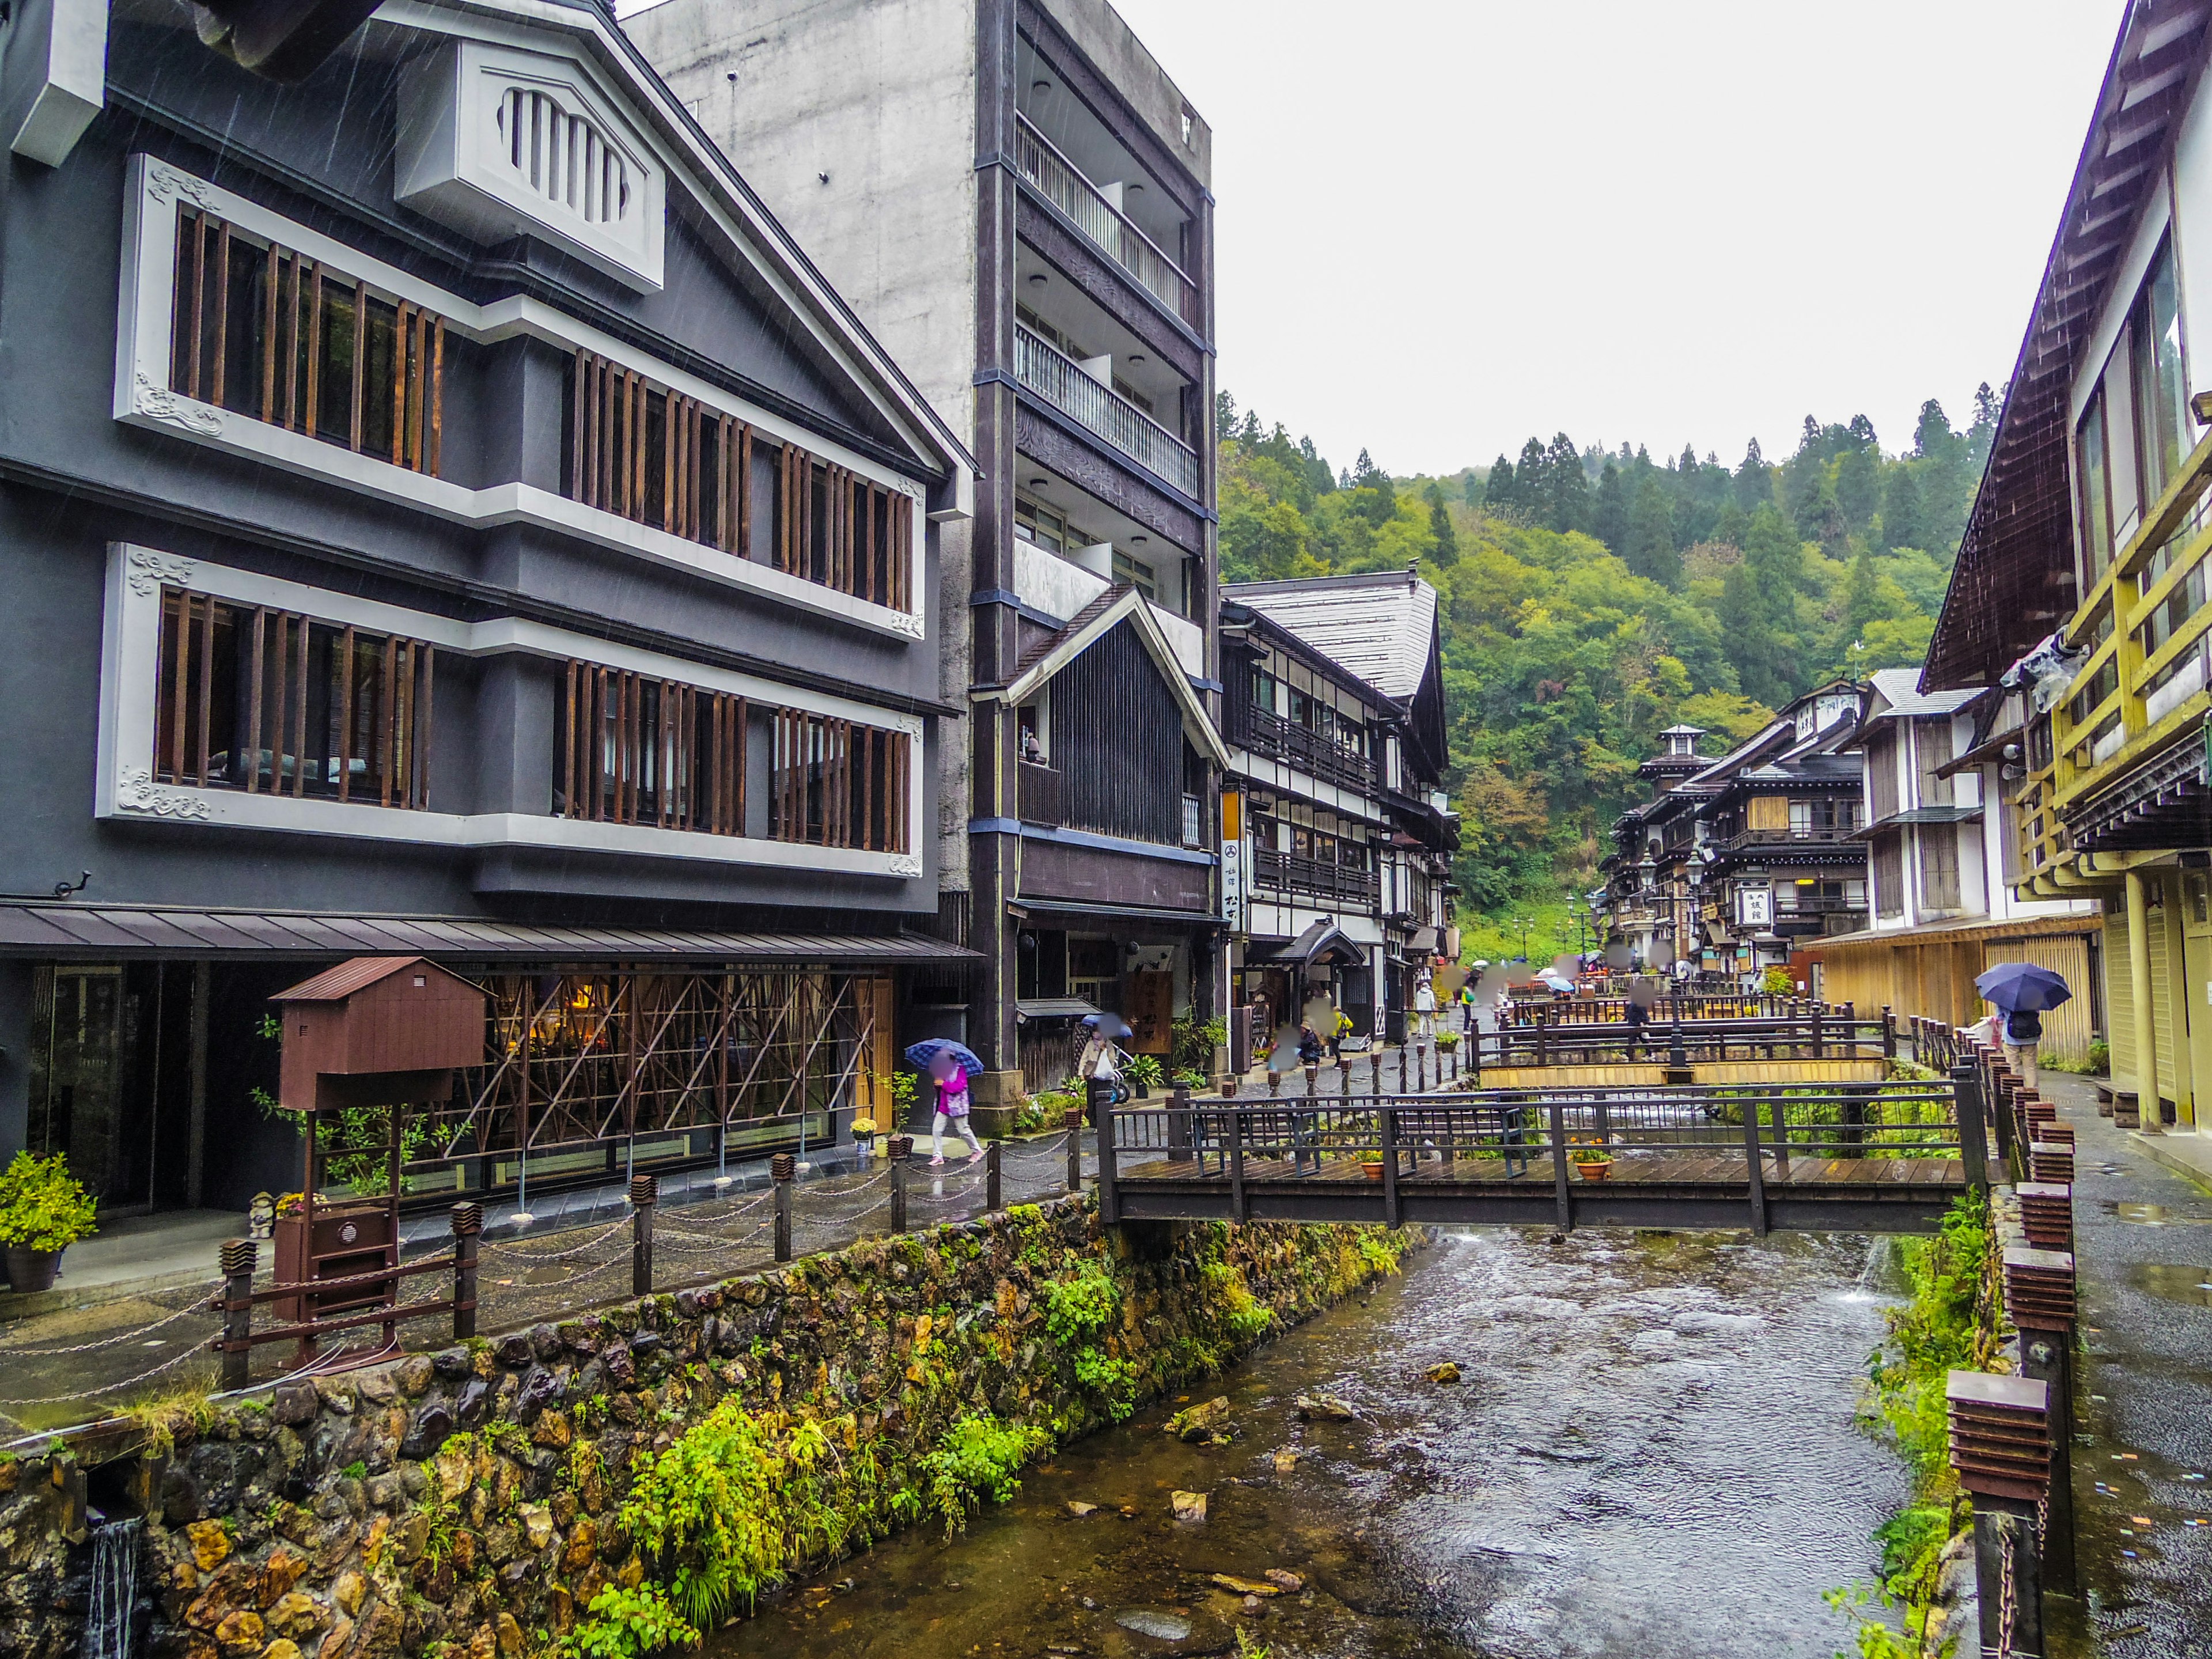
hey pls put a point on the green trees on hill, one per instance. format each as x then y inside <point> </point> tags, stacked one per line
<point>1592,598</point>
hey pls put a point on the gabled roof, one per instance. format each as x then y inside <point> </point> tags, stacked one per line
<point>1117,605</point>
<point>1380,625</point>
<point>335,984</point>
<point>1897,695</point>
<point>734,216</point>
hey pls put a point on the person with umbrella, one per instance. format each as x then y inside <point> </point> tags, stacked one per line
<point>950,1064</point>
<point>2023,992</point>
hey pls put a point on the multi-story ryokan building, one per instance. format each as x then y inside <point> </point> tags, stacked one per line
<point>1337,833</point>
<point>1016,196</point>
<point>2092,522</point>
<point>445,512</point>
<point>1941,911</point>
<point>1735,864</point>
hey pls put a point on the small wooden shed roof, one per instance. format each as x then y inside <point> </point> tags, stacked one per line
<point>336,984</point>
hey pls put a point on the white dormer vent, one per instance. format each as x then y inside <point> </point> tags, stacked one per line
<point>561,155</point>
<point>498,141</point>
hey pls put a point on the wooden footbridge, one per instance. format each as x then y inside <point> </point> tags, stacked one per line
<point>1824,1156</point>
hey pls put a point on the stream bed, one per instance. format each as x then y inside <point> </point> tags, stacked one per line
<point>1651,1451</point>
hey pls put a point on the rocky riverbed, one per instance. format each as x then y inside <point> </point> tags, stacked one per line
<point>1650,1449</point>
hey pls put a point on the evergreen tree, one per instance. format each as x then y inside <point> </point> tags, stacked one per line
<point>1381,507</point>
<point>1609,512</point>
<point>1862,431</point>
<point>1499,490</point>
<point>1775,559</point>
<point>1861,598</point>
<point>1474,487</point>
<point>1902,525</point>
<point>1754,483</point>
<point>1225,417</point>
<point>1650,551</point>
<point>1532,480</point>
<point>1808,494</point>
<point>1568,506</point>
<point>1440,526</point>
<point>1750,634</point>
<point>1731,525</point>
<point>1858,485</point>
<point>1932,437</point>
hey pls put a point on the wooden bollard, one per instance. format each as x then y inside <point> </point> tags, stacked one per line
<point>644,1196</point>
<point>783,1168</point>
<point>1075,1149</point>
<point>2000,1450</point>
<point>901,1148</point>
<point>236,1259</point>
<point>993,1194</point>
<point>468,1226</point>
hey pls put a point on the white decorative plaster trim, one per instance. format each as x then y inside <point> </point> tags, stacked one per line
<point>163,404</point>
<point>150,570</point>
<point>136,792</point>
<point>129,673</point>
<point>143,398</point>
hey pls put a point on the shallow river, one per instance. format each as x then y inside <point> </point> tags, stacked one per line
<point>1650,1453</point>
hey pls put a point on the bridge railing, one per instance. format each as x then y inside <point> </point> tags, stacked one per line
<point>1814,1035</point>
<point>1611,1010</point>
<point>1539,1134</point>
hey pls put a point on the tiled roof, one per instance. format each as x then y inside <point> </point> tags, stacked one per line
<point>1900,688</point>
<point>1379,626</point>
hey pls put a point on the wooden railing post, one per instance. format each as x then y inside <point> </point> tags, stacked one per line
<point>1110,1202</point>
<point>993,1197</point>
<point>468,1227</point>
<point>901,1147</point>
<point>1236,1209</point>
<point>1561,1195</point>
<point>1402,1068</point>
<point>1387,1122</point>
<point>781,1168</point>
<point>1888,1033</point>
<point>644,1196</point>
<point>1973,1131</point>
<point>1075,1143</point>
<point>236,1259</point>
<point>1750,1109</point>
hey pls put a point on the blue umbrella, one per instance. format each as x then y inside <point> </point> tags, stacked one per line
<point>1110,1026</point>
<point>2017,986</point>
<point>922,1052</point>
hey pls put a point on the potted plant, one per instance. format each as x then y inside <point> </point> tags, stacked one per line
<point>1144,1074</point>
<point>1371,1165</point>
<point>864,1136</point>
<point>42,1210</point>
<point>1591,1160</point>
<point>1448,1041</point>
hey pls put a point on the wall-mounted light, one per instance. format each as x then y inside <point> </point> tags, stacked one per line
<point>1036,279</point>
<point>1039,483</point>
<point>1139,540</point>
<point>1040,86</point>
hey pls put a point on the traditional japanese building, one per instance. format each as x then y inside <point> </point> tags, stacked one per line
<point>446,514</point>
<point>2081,581</point>
<point>1016,195</point>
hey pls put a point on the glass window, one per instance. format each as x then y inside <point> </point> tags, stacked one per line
<point>2093,469</point>
<point>2161,390</point>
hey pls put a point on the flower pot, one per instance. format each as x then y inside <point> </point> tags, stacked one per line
<point>1372,1167</point>
<point>1598,1171</point>
<point>31,1271</point>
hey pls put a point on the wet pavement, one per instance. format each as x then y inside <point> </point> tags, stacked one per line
<point>2143,1449</point>
<point>1652,1452</point>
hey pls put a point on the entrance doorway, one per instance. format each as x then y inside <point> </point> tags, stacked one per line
<point>110,1079</point>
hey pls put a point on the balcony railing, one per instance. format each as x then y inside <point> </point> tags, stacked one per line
<point>1821,906</point>
<point>1783,837</point>
<point>1059,182</point>
<point>1286,873</point>
<point>1062,382</point>
<point>1044,795</point>
<point>1265,734</point>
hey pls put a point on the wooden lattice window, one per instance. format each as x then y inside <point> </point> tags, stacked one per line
<point>657,457</point>
<point>635,749</point>
<point>272,701</point>
<point>838,783</point>
<point>267,333</point>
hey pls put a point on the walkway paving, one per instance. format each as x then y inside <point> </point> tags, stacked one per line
<point>2142,1464</point>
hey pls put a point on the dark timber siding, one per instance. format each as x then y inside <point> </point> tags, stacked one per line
<point>1117,739</point>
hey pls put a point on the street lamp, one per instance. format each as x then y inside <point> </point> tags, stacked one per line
<point>1526,928</point>
<point>1579,912</point>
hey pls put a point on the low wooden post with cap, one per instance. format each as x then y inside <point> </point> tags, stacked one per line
<point>2040,1298</point>
<point>644,1196</point>
<point>2000,1451</point>
<point>237,1259</point>
<point>902,1149</point>
<point>783,1168</point>
<point>468,1229</point>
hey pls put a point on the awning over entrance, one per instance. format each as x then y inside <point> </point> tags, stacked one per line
<point>108,932</point>
<point>1322,941</point>
<point>1047,909</point>
<point>1055,1007</point>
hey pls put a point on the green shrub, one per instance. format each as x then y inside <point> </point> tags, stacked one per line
<point>41,1206</point>
<point>1192,1041</point>
<point>1238,1309</point>
<point>1114,1380</point>
<point>630,1624</point>
<point>978,1461</point>
<point>1080,1307</point>
<point>1143,1071</point>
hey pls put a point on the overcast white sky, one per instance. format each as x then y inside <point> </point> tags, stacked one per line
<point>1448,224</point>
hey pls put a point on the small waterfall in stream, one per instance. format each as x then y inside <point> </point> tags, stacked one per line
<point>108,1624</point>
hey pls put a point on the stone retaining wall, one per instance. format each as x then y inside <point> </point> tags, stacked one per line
<point>466,1502</point>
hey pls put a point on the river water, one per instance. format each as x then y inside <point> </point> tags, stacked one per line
<point>1651,1452</point>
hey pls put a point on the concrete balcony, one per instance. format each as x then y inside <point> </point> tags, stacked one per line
<point>1098,215</point>
<point>1064,384</point>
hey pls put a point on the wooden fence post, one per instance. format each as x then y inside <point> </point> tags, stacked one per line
<point>1973,1132</point>
<point>901,1147</point>
<point>1387,1122</point>
<point>1402,1068</point>
<point>644,1196</point>
<point>236,1259</point>
<point>781,1167</point>
<point>1075,1146</point>
<point>1110,1202</point>
<point>1888,1033</point>
<point>1236,1208</point>
<point>468,1226</point>
<point>1560,1172</point>
<point>1749,1107</point>
<point>994,1197</point>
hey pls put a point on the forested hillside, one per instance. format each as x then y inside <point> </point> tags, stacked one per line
<point>1593,597</point>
